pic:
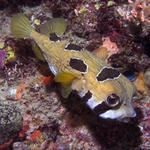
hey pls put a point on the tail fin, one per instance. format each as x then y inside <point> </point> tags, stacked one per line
<point>20,26</point>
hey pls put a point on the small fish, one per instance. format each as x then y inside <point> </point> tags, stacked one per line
<point>106,91</point>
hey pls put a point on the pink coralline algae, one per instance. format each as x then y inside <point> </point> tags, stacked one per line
<point>111,46</point>
<point>2,57</point>
<point>141,10</point>
<point>137,14</point>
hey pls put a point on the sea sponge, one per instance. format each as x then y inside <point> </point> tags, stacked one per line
<point>140,84</point>
<point>147,77</point>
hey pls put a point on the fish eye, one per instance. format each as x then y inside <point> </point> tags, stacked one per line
<point>113,100</point>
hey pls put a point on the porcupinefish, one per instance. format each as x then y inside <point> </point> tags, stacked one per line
<point>105,90</point>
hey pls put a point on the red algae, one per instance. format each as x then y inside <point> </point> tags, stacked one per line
<point>6,145</point>
<point>35,136</point>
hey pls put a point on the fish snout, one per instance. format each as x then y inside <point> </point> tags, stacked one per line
<point>130,113</point>
<point>121,114</point>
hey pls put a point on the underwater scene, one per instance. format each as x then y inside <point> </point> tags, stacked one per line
<point>74,74</point>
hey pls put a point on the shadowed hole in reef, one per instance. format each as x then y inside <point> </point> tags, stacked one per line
<point>14,4</point>
<point>110,134</point>
<point>114,135</point>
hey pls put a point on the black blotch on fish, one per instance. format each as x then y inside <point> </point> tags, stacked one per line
<point>107,73</point>
<point>73,47</point>
<point>101,108</point>
<point>87,96</point>
<point>78,64</point>
<point>54,37</point>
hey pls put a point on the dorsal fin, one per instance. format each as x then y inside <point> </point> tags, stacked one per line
<point>55,25</point>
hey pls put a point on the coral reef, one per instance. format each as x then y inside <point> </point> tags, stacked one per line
<point>50,122</point>
<point>2,56</point>
<point>16,3</point>
<point>10,122</point>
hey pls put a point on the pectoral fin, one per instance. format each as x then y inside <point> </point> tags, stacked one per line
<point>65,90</point>
<point>37,51</point>
<point>101,52</point>
<point>64,78</point>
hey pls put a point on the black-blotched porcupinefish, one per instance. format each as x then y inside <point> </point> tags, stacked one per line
<point>105,90</point>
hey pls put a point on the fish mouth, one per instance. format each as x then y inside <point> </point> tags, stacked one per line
<point>127,118</point>
<point>131,115</point>
<point>123,115</point>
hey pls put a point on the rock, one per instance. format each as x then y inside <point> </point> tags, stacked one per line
<point>10,122</point>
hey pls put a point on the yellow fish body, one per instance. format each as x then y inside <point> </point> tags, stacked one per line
<point>106,91</point>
